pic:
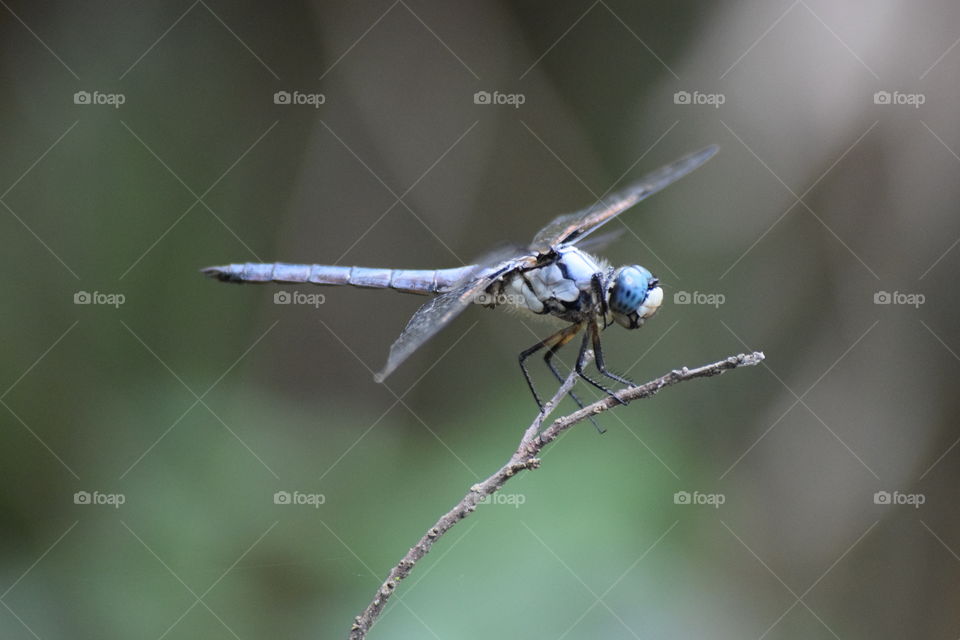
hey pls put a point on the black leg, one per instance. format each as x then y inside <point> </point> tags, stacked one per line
<point>599,293</point>
<point>560,336</point>
<point>601,366</point>
<point>582,360</point>
<point>594,332</point>
<point>548,358</point>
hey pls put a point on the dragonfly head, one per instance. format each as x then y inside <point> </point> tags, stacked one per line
<point>635,296</point>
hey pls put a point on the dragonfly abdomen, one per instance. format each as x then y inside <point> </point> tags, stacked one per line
<point>422,281</point>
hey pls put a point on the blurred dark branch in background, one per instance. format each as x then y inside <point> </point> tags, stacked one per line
<point>533,441</point>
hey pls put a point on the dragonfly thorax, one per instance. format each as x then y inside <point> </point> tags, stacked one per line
<point>563,286</point>
<point>635,295</point>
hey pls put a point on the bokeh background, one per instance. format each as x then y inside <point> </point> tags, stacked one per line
<point>824,233</point>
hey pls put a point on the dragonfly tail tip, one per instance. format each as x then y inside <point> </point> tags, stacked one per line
<point>218,273</point>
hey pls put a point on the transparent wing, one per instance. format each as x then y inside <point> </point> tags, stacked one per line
<point>436,314</point>
<point>572,227</point>
<point>599,242</point>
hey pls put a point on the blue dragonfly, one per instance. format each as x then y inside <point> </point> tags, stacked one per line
<point>553,276</point>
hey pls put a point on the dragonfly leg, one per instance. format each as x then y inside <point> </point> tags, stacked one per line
<point>548,341</point>
<point>548,359</point>
<point>582,361</point>
<point>598,287</point>
<point>601,366</point>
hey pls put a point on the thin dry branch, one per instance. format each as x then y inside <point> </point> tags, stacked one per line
<point>524,458</point>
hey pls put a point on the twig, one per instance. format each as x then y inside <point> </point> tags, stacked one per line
<point>524,458</point>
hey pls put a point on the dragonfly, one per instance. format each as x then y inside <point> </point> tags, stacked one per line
<point>552,276</point>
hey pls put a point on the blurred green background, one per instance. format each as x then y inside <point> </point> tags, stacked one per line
<point>195,402</point>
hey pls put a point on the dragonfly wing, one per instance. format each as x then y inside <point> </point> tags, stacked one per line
<point>599,242</point>
<point>439,312</point>
<point>571,227</point>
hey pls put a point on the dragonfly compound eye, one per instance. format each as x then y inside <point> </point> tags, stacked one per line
<point>631,287</point>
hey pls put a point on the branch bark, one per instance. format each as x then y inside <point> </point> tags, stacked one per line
<point>535,438</point>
